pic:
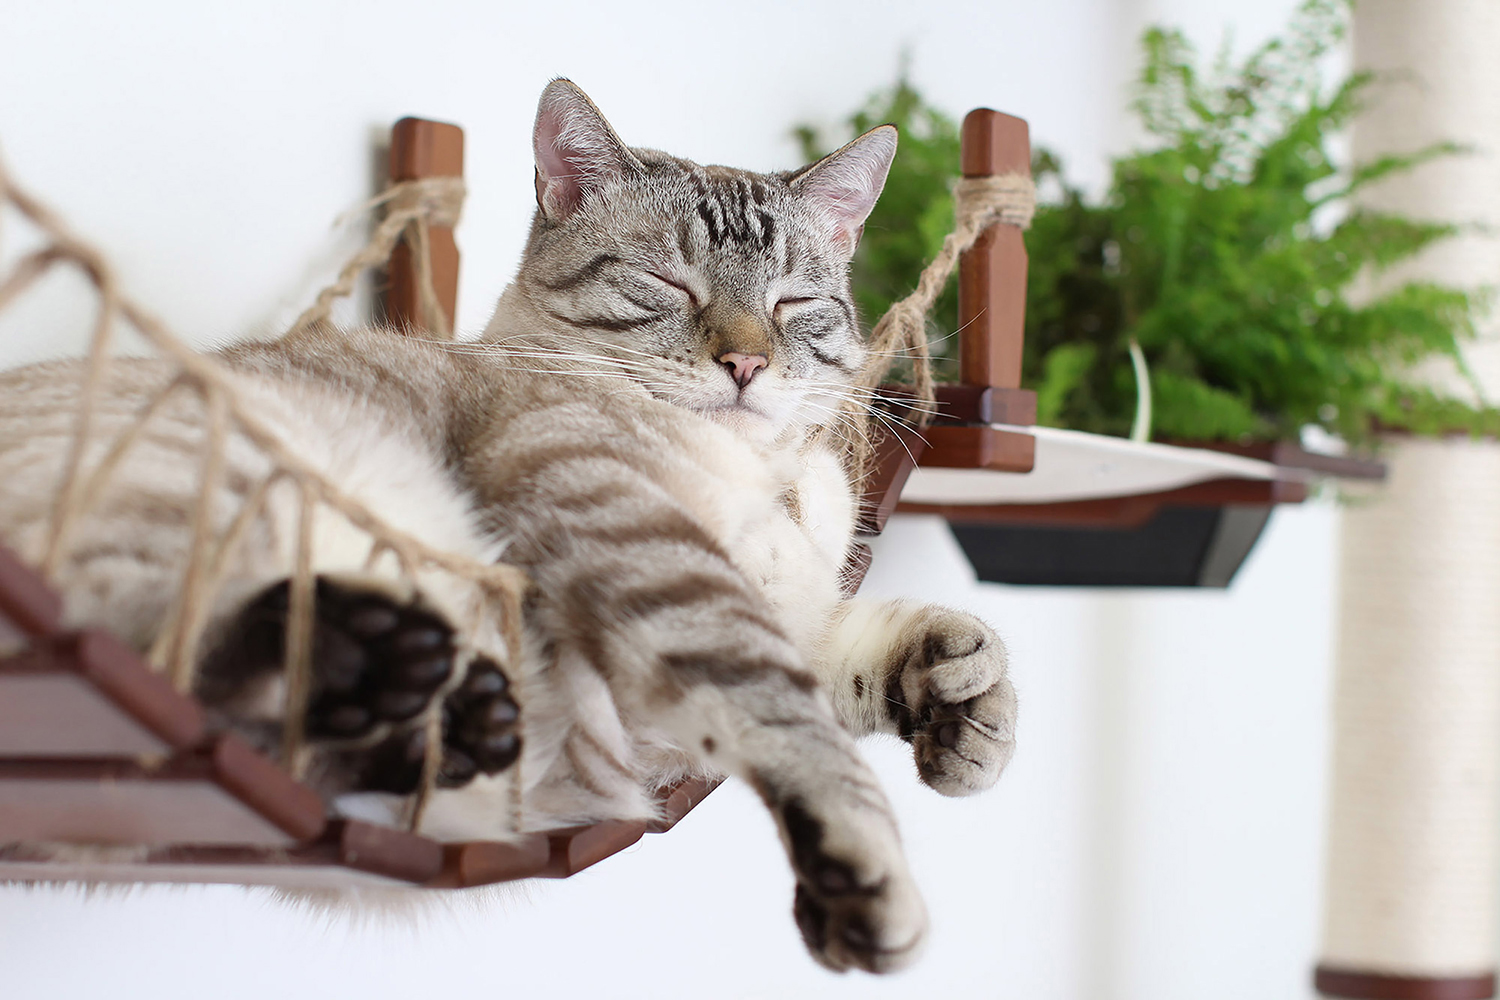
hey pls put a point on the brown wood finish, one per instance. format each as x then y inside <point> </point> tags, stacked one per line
<point>89,695</point>
<point>896,455</point>
<point>1378,986</point>
<point>978,447</point>
<point>1120,512</point>
<point>26,602</point>
<point>574,850</point>
<point>969,404</point>
<point>679,800</point>
<point>1290,455</point>
<point>224,793</point>
<point>483,862</point>
<point>992,274</point>
<point>420,149</point>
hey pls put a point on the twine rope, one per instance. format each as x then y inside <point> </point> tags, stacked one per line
<point>978,204</point>
<point>411,209</point>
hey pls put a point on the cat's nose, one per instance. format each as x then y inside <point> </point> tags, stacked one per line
<point>742,367</point>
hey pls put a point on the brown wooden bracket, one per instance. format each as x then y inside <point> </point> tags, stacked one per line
<point>27,604</point>
<point>421,149</point>
<point>992,274</point>
<point>89,695</point>
<point>1380,986</point>
<point>1120,512</point>
<point>979,447</point>
<point>224,793</point>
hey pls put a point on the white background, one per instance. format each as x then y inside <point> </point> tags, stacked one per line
<point>1159,833</point>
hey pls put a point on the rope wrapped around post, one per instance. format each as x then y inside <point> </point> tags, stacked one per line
<point>978,204</point>
<point>411,209</point>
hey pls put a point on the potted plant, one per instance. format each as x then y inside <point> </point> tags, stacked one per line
<point>1210,296</point>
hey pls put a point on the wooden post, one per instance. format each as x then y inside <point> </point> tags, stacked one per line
<point>422,148</point>
<point>992,274</point>
<point>991,321</point>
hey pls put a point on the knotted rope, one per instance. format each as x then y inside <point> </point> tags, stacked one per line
<point>413,206</point>
<point>978,204</point>
<point>411,209</point>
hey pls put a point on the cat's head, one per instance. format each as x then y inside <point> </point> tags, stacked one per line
<point>720,290</point>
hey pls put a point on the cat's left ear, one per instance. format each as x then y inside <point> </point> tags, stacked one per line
<point>843,186</point>
<point>577,152</point>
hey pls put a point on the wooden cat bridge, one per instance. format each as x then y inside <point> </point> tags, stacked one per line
<point>97,749</point>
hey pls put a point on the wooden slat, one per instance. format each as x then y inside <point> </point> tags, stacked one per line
<point>488,862</point>
<point>1290,455</point>
<point>88,695</point>
<point>25,600</point>
<point>574,850</point>
<point>680,800</point>
<point>992,274</point>
<point>898,452</point>
<point>978,447</point>
<point>222,794</point>
<point>422,148</point>
<point>958,403</point>
<point>1120,512</point>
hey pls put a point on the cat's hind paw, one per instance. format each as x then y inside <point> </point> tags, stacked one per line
<point>853,911</point>
<point>952,700</point>
<point>378,661</point>
<point>375,660</point>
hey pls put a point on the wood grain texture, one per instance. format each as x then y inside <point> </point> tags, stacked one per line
<point>1379,986</point>
<point>992,274</point>
<point>89,695</point>
<point>421,148</point>
<point>1119,512</point>
<point>978,447</point>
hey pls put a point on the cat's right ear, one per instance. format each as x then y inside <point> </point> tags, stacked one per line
<point>576,150</point>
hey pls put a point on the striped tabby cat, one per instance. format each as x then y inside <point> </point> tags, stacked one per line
<point>638,429</point>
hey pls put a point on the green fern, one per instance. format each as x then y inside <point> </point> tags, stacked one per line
<point>1213,249</point>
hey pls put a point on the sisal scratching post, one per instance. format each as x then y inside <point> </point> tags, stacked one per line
<point>1410,902</point>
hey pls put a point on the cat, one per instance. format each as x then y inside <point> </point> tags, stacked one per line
<point>639,427</point>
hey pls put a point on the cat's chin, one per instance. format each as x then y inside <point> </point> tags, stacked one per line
<point>744,421</point>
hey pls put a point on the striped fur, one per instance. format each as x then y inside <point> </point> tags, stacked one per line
<point>683,530</point>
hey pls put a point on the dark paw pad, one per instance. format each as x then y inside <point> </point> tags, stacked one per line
<point>480,720</point>
<point>374,660</point>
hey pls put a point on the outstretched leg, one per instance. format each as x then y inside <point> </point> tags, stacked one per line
<point>931,675</point>
<point>643,591</point>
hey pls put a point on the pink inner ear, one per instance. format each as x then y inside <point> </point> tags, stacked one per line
<point>558,188</point>
<point>845,186</point>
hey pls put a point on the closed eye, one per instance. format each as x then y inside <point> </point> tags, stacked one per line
<point>794,304</point>
<point>685,290</point>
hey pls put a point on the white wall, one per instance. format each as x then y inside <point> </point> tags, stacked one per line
<point>1158,835</point>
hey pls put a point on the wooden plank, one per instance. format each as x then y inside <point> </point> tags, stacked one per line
<point>26,602</point>
<point>978,447</point>
<point>1330,982</point>
<point>1291,455</point>
<point>222,794</point>
<point>992,274</point>
<point>421,148</point>
<point>574,850</point>
<point>88,695</point>
<point>1120,512</point>
<point>679,800</point>
<point>898,452</point>
<point>970,404</point>
<point>488,862</point>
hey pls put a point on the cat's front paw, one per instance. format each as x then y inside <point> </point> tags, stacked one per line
<point>953,702</point>
<point>854,908</point>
